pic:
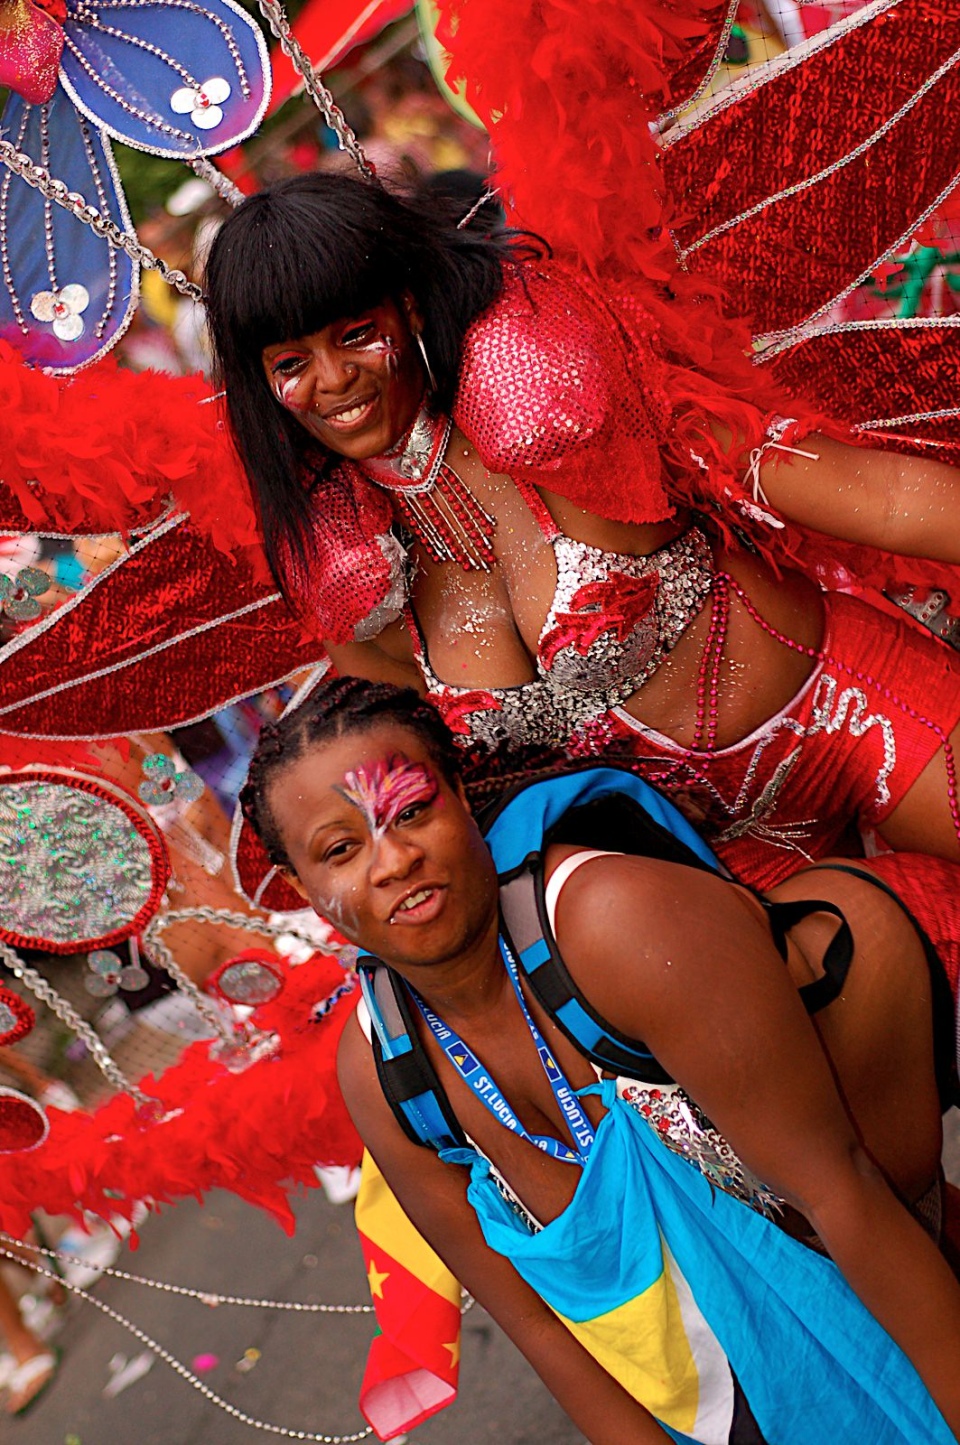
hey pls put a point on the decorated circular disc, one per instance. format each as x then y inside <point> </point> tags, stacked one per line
<point>248,981</point>
<point>82,864</point>
<point>17,1018</point>
<point>23,1124</point>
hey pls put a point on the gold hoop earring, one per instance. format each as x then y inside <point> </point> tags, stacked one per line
<point>431,379</point>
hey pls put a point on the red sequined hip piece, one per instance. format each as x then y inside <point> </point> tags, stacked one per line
<point>880,703</point>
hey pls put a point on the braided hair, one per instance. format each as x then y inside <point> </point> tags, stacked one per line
<point>339,706</point>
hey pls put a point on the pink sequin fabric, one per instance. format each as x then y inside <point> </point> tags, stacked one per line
<point>554,387</point>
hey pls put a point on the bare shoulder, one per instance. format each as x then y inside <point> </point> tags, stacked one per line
<point>357,1075</point>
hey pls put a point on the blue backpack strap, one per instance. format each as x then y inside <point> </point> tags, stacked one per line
<point>407,1077</point>
<point>598,807</point>
<point>523,918</point>
<point>517,825</point>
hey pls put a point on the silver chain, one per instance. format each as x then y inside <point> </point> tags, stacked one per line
<point>207,1010</point>
<point>215,177</point>
<point>273,12</point>
<point>40,178</point>
<point>205,914</point>
<point>188,1375</point>
<point>207,1297</point>
<point>42,990</point>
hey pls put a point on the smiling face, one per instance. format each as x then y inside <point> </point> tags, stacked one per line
<point>357,384</point>
<point>385,847</point>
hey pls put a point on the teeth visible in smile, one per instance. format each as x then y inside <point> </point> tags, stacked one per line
<point>415,899</point>
<point>351,414</point>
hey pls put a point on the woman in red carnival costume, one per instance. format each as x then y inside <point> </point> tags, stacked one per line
<point>490,477</point>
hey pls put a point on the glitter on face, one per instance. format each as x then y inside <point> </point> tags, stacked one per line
<point>385,791</point>
<point>382,350</point>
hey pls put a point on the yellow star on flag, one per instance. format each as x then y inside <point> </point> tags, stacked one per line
<point>375,1280</point>
<point>454,1352</point>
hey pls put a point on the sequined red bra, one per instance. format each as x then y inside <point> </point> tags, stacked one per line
<point>614,617</point>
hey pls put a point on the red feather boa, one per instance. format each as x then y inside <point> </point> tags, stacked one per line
<point>104,450</point>
<point>257,1133</point>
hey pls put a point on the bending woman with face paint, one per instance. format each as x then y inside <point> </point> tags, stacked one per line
<point>478,473</point>
<point>731,1241</point>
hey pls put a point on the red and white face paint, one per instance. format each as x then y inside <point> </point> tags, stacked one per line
<point>356,385</point>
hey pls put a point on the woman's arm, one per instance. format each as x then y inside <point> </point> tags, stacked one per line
<point>433,1195</point>
<point>699,980</point>
<point>904,504</point>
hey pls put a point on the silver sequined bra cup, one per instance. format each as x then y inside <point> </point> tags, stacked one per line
<point>613,619</point>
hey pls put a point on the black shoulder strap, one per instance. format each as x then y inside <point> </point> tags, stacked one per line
<point>408,1079</point>
<point>837,957</point>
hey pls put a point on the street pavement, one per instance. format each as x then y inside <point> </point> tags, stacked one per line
<point>308,1372</point>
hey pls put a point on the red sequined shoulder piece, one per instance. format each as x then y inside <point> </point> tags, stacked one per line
<point>556,390</point>
<point>349,572</point>
<point>532,383</point>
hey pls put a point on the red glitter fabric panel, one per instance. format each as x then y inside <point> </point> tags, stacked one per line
<point>177,584</point>
<point>883,374</point>
<point>797,254</point>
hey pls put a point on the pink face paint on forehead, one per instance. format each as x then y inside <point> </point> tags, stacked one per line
<point>384,791</point>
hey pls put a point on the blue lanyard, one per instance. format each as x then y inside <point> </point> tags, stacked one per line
<point>470,1069</point>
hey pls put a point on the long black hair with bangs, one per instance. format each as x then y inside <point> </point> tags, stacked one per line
<point>302,254</point>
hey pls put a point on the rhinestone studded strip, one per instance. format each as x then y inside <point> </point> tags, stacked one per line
<point>774,342</point>
<point>102,198</point>
<point>668,115</point>
<point>4,235</point>
<point>944,414</point>
<point>91,21</point>
<point>47,205</point>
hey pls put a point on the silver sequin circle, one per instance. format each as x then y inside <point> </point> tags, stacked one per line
<point>72,865</point>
